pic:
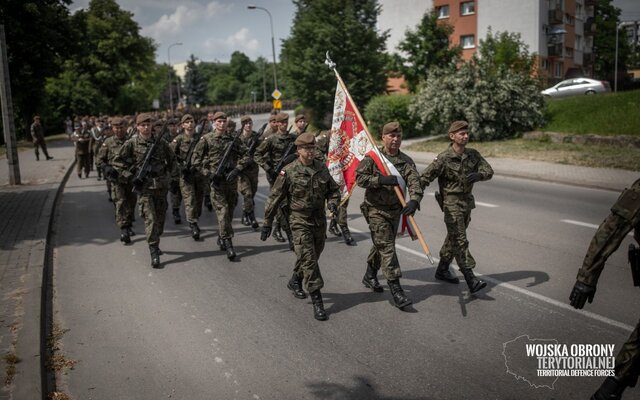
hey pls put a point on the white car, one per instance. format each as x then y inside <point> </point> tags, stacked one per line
<point>576,87</point>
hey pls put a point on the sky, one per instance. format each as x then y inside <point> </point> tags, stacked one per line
<point>213,29</point>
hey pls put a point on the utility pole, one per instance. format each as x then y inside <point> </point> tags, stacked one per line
<point>7,113</point>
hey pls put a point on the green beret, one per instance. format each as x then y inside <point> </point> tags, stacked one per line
<point>458,126</point>
<point>143,117</point>
<point>272,118</point>
<point>219,115</point>
<point>117,121</point>
<point>305,139</point>
<point>186,118</point>
<point>282,117</point>
<point>299,117</point>
<point>390,127</point>
<point>245,119</point>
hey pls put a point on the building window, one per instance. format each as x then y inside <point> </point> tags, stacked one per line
<point>467,8</point>
<point>467,42</point>
<point>545,65</point>
<point>443,12</point>
<point>558,70</point>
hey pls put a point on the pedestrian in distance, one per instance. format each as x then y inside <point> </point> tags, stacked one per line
<point>37,136</point>
<point>457,169</point>
<point>382,210</point>
<point>624,217</point>
<point>305,185</point>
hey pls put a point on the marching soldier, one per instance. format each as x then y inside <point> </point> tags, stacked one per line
<point>223,174</point>
<point>192,182</point>
<point>457,169</point>
<point>82,139</point>
<point>305,185</point>
<point>124,198</point>
<point>37,135</point>
<point>382,210</point>
<point>299,124</point>
<point>153,186</point>
<point>271,155</point>
<point>248,179</point>
<point>174,186</point>
<point>98,136</point>
<point>625,216</point>
<point>271,127</point>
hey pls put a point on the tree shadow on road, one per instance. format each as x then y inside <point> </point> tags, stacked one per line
<point>362,389</point>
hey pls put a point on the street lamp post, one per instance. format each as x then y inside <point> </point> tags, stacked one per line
<point>273,47</point>
<point>170,78</point>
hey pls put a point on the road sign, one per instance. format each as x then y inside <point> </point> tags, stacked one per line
<point>277,104</point>
<point>276,94</point>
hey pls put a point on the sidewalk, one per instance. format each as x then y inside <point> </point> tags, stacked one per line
<point>26,213</point>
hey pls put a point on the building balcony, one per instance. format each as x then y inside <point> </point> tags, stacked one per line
<point>556,16</point>
<point>555,50</point>
<point>590,27</point>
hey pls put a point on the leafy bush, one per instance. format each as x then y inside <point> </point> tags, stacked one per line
<point>383,109</point>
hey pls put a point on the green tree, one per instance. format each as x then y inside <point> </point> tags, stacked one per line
<point>72,92</point>
<point>345,28</point>
<point>495,92</point>
<point>39,38</point>
<point>426,47</point>
<point>241,66</point>
<point>604,42</point>
<point>195,82</point>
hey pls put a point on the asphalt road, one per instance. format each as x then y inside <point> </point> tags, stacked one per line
<point>207,328</point>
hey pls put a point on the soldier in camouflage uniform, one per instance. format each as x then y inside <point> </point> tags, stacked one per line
<point>305,185</point>
<point>271,127</point>
<point>152,199</point>
<point>382,210</point>
<point>192,182</point>
<point>97,138</point>
<point>224,185</point>
<point>124,198</point>
<point>174,186</point>
<point>248,179</point>
<point>268,155</point>
<point>625,216</point>
<point>457,169</point>
<point>37,135</point>
<point>82,139</point>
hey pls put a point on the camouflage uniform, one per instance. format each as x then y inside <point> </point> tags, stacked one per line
<point>37,135</point>
<point>224,194</point>
<point>248,179</point>
<point>451,169</point>
<point>381,209</point>
<point>123,196</point>
<point>192,182</point>
<point>153,200</point>
<point>624,217</point>
<point>175,195</point>
<point>82,138</point>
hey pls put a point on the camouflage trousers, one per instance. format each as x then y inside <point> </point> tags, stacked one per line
<point>193,195</point>
<point>383,225</point>
<point>40,144</point>
<point>282,218</point>
<point>83,162</point>
<point>457,215</point>
<point>124,200</point>
<point>628,359</point>
<point>176,198</point>
<point>248,187</point>
<point>153,209</point>
<point>224,199</point>
<point>309,235</point>
<point>341,217</point>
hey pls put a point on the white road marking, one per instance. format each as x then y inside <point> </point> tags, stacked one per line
<point>478,203</point>
<point>585,224</point>
<point>564,306</point>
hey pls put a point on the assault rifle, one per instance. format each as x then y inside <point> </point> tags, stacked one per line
<point>143,171</point>
<point>220,175</point>
<point>187,170</point>
<point>634,260</point>
<point>286,157</point>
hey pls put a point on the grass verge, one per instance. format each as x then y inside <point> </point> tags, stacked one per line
<point>561,153</point>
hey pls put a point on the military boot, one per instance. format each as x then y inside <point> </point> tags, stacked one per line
<point>245,219</point>
<point>444,274</point>
<point>318,306</point>
<point>195,230</point>
<point>289,239</point>
<point>277,234</point>
<point>611,389</point>
<point>333,227</point>
<point>221,244</point>
<point>295,285</point>
<point>130,231</point>
<point>370,280</point>
<point>124,236</point>
<point>400,300</point>
<point>346,234</point>
<point>155,256</point>
<point>252,219</point>
<point>231,254</point>
<point>474,283</point>
<point>176,216</point>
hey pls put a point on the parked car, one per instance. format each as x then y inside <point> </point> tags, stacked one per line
<point>576,87</point>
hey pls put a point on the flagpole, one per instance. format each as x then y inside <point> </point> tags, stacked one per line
<point>399,193</point>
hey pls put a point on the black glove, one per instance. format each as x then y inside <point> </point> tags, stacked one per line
<point>271,177</point>
<point>580,294</point>
<point>216,180</point>
<point>233,174</point>
<point>265,232</point>
<point>388,180</point>
<point>138,185</point>
<point>333,209</point>
<point>110,173</point>
<point>175,187</point>
<point>410,208</point>
<point>474,177</point>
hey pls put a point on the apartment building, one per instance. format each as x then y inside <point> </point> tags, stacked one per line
<point>559,31</point>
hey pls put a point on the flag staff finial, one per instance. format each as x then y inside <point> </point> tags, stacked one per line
<point>329,63</point>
